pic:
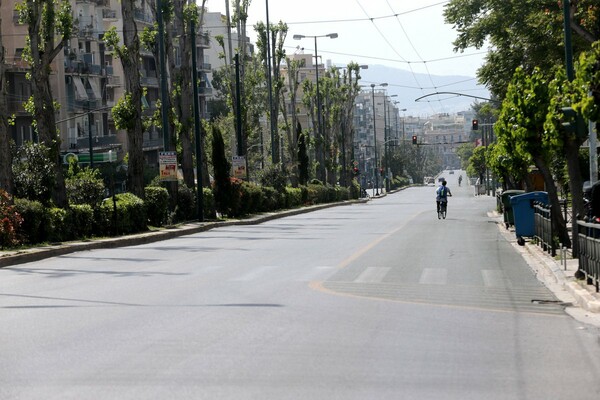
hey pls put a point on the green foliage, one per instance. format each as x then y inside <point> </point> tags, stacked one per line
<point>10,222</point>
<point>354,189</point>
<point>208,203</point>
<point>293,197</point>
<point>303,160</point>
<point>84,186</point>
<point>156,201</point>
<point>273,199</point>
<point>477,162</point>
<point>525,33</point>
<point>80,221</point>
<point>273,176</point>
<point>57,228</point>
<point>186,204</point>
<point>124,113</point>
<point>130,216</point>
<point>33,172</point>
<point>223,189</point>
<point>34,220</point>
<point>252,198</point>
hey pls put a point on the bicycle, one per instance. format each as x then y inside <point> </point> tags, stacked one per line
<point>364,194</point>
<point>442,210</point>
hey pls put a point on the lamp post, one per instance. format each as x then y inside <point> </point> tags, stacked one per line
<point>373,85</point>
<point>320,155</point>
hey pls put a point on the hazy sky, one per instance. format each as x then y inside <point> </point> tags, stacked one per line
<point>405,34</point>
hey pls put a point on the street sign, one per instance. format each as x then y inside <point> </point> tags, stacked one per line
<point>167,165</point>
<point>238,163</point>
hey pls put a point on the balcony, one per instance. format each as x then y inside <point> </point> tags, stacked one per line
<point>108,14</point>
<point>17,106</point>
<point>113,81</point>
<point>142,16</point>
<point>203,40</point>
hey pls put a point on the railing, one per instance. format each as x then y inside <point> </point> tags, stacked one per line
<point>588,236</point>
<point>543,227</point>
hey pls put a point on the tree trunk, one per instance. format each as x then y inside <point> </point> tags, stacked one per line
<point>559,226</point>
<point>183,102</point>
<point>6,175</point>
<point>131,69</point>
<point>43,52</point>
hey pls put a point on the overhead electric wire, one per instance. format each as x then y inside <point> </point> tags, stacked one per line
<point>414,49</point>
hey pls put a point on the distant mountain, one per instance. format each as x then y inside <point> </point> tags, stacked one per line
<point>408,88</point>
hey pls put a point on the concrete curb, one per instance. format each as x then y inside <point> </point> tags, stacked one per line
<point>39,253</point>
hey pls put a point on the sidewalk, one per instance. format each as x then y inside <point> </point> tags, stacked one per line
<point>558,275</point>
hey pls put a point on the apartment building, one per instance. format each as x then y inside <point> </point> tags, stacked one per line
<point>87,80</point>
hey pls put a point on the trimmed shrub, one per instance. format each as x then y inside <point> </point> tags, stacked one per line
<point>10,222</point>
<point>317,193</point>
<point>273,176</point>
<point>343,193</point>
<point>252,198</point>
<point>293,197</point>
<point>208,203</point>
<point>354,189</point>
<point>157,204</point>
<point>35,220</point>
<point>273,199</point>
<point>186,204</point>
<point>131,213</point>
<point>57,229</point>
<point>80,221</point>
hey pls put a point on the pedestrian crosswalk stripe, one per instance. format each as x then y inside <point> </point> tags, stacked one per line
<point>434,276</point>
<point>373,274</point>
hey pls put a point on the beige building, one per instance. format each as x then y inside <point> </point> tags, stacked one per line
<point>87,80</point>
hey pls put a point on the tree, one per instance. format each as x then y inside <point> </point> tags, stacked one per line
<point>222,189</point>
<point>290,125</point>
<point>303,161</point>
<point>127,113</point>
<point>6,176</point>
<point>521,121</point>
<point>49,25</point>
<point>349,89</point>
<point>525,33</point>
<point>181,97</point>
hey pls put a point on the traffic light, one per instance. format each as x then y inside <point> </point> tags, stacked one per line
<point>414,139</point>
<point>355,171</point>
<point>475,124</point>
<point>574,122</point>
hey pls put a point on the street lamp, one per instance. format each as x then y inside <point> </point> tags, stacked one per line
<point>320,155</point>
<point>373,85</point>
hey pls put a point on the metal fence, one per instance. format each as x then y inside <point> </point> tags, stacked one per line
<point>543,227</point>
<point>588,236</point>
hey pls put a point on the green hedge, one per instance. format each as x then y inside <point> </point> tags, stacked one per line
<point>130,214</point>
<point>157,204</point>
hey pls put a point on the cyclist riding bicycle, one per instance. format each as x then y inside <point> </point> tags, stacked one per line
<point>442,193</point>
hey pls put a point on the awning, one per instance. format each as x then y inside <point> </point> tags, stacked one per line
<point>95,88</point>
<point>81,94</point>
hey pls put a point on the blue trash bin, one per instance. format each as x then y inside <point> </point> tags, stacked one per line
<point>523,213</point>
